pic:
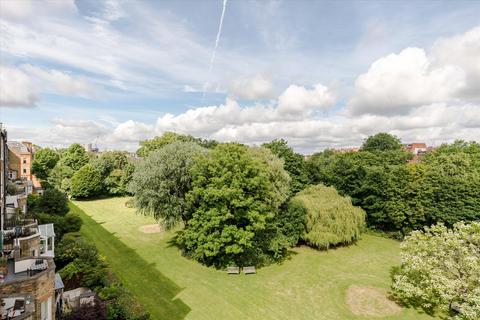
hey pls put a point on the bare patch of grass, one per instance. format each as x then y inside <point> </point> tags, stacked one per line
<point>150,228</point>
<point>370,301</point>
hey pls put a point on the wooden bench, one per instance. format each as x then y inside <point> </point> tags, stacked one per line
<point>249,270</point>
<point>233,270</point>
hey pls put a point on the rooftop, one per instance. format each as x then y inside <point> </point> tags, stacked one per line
<point>17,147</point>
<point>46,230</point>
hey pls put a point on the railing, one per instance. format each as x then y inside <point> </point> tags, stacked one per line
<point>18,221</point>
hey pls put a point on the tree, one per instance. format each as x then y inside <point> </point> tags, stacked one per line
<point>148,146</point>
<point>74,157</point>
<point>161,181</point>
<point>81,264</point>
<point>60,176</point>
<point>294,163</point>
<point>86,182</point>
<point>440,270</point>
<point>52,201</point>
<point>116,171</point>
<point>449,188</point>
<point>236,193</point>
<point>330,218</point>
<point>43,162</point>
<point>382,142</point>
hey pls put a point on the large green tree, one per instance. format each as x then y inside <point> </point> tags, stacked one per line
<point>86,182</point>
<point>236,194</point>
<point>330,218</point>
<point>52,201</point>
<point>440,270</point>
<point>382,142</point>
<point>43,162</point>
<point>161,181</point>
<point>294,163</point>
<point>148,146</point>
<point>71,160</point>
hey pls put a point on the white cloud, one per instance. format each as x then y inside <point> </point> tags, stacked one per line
<point>61,82</point>
<point>16,88</point>
<point>258,87</point>
<point>298,99</point>
<point>398,83</point>
<point>27,9</point>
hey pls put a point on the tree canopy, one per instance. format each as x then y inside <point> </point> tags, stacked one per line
<point>440,270</point>
<point>148,146</point>
<point>86,182</point>
<point>382,142</point>
<point>294,163</point>
<point>161,181</point>
<point>43,162</point>
<point>236,193</point>
<point>330,218</point>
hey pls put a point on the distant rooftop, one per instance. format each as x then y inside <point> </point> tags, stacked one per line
<point>17,147</point>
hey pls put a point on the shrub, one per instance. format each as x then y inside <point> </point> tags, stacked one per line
<point>86,182</point>
<point>52,201</point>
<point>330,218</point>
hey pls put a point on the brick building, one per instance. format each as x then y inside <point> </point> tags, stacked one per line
<point>27,270</point>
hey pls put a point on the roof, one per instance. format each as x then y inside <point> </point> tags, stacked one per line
<point>58,282</point>
<point>17,147</point>
<point>46,230</point>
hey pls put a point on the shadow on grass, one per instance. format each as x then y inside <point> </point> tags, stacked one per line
<point>155,291</point>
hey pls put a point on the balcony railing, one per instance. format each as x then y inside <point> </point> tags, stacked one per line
<point>18,221</point>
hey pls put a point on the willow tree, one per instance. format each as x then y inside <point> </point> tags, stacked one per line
<point>330,218</point>
<point>161,181</point>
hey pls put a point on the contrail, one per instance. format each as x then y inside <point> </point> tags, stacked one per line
<point>217,40</point>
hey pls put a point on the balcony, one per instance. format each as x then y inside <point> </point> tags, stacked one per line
<point>16,307</point>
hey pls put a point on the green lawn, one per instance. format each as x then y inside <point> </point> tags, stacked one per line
<point>310,285</point>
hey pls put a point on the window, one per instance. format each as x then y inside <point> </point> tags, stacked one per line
<point>24,161</point>
<point>42,246</point>
<point>46,309</point>
<point>49,243</point>
<point>24,170</point>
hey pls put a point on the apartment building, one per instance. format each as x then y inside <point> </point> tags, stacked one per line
<point>27,270</point>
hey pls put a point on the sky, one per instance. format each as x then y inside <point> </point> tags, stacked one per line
<point>320,74</point>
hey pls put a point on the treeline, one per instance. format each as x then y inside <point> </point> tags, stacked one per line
<point>400,195</point>
<point>83,175</point>
<point>237,205</point>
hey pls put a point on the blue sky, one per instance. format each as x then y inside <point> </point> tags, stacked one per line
<point>318,73</point>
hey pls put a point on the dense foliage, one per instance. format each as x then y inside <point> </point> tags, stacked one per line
<point>161,181</point>
<point>382,142</point>
<point>86,182</point>
<point>235,197</point>
<point>399,195</point>
<point>52,201</point>
<point>43,162</point>
<point>80,263</point>
<point>294,163</point>
<point>148,146</point>
<point>330,218</point>
<point>110,173</point>
<point>440,270</point>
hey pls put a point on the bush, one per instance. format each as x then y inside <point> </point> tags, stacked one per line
<point>86,182</point>
<point>71,222</point>
<point>52,201</point>
<point>330,218</point>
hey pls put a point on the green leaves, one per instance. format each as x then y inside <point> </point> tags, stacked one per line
<point>441,267</point>
<point>236,194</point>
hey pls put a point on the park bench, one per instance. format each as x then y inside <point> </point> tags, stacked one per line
<point>249,270</point>
<point>233,270</point>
